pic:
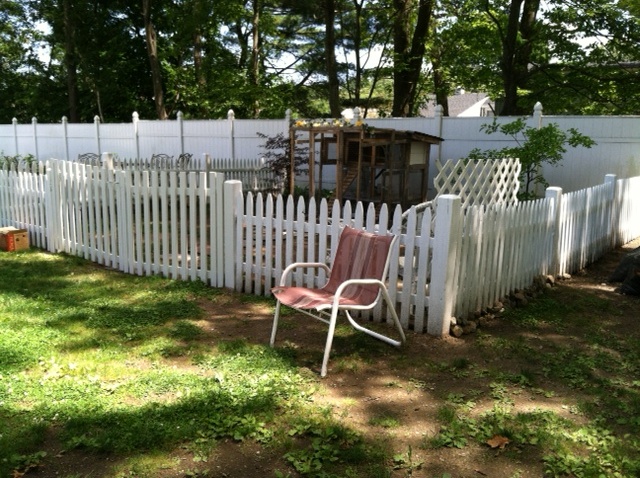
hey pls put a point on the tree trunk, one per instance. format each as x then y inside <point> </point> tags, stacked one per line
<point>409,51</point>
<point>198,47</point>
<point>330,58</point>
<point>70,61</point>
<point>152,51</point>
<point>516,52</point>
<point>254,70</point>
<point>441,83</point>
<point>357,46</point>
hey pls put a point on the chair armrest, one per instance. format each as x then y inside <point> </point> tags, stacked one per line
<point>348,282</point>
<point>295,265</point>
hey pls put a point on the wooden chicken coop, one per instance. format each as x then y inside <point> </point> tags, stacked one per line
<point>372,165</point>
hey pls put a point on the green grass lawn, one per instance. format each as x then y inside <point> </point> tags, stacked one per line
<point>113,365</point>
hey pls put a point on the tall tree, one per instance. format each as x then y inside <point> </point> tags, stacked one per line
<point>575,56</point>
<point>517,39</point>
<point>154,62</point>
<point>70,59</point>
<point>411,30</point>
<point>333,83</point>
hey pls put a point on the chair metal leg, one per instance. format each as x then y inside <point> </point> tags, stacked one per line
<point>394,314</point>
<point>327,348</point>
<point>274,330</point>
<point>384,338</point>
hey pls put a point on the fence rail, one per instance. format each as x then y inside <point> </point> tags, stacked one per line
<point>194,225</point>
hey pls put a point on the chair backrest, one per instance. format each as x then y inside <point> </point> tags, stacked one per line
<point>360,255</point>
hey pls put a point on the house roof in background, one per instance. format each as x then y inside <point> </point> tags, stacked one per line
<point>463,104</point>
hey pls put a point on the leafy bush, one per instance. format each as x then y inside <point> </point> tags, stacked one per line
<point>13,162</point>
<point>278,156</point>
<point>535,146</point>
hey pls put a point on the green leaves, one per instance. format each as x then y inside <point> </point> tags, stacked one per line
<point>535,147</point>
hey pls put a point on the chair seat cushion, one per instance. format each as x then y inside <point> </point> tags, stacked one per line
<point>303,298</point>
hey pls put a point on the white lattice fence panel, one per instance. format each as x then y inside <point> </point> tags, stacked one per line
<point>479,182</point>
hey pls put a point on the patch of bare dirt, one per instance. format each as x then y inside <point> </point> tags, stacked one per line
<point>385,392</point>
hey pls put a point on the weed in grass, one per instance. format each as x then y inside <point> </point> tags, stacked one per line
<point>406,462</point>
<point>185,330</point>
<point>325,446</point>
<point>544,311</point>
<point>351,363</point>
<point>460,363</point>
<point>386,420</point>
<point>523,379</point>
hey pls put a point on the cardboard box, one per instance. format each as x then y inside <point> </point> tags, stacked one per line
<point>12,239</point>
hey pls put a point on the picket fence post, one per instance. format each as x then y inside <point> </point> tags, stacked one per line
<point>555,193</point>
<point>615,210</point>
<point>135,117</point>
<point>232,190</point>
<point>96,122</point>
<point>231,116</point>
<point>14,122</point>
<point>447,240</point>
<point>179,119</point>
<point>439,117</point>
<point>65,136</point>
<point>52,206</point>
<point>34,122</point>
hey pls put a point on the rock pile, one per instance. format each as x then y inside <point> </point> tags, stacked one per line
<point>628,273</point>
<point>518,298</point>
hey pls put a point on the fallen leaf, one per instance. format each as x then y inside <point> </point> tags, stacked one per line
<point>498,442</point>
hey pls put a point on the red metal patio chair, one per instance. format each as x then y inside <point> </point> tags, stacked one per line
<point>356,282</point>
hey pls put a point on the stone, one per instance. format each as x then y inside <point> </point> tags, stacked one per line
<point>498,306</point>
<point>628,272</point>
<point>470,328</point>
<point>456,331</point>
<point>550,279</point>
<point>520,298</point>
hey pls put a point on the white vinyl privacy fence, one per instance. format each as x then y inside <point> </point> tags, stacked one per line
<point>195,226</point>
<point>617,150</point>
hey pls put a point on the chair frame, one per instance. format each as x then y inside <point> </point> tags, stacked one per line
<point>328,312</point>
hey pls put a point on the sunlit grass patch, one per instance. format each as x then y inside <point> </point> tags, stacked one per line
<point>385,420</point>
<point>127,367</point>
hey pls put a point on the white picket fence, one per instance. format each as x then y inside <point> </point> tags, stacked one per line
<point>254,174</point>
<point>197,226</point>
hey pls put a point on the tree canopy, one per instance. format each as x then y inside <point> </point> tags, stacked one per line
<point>82,58</point>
